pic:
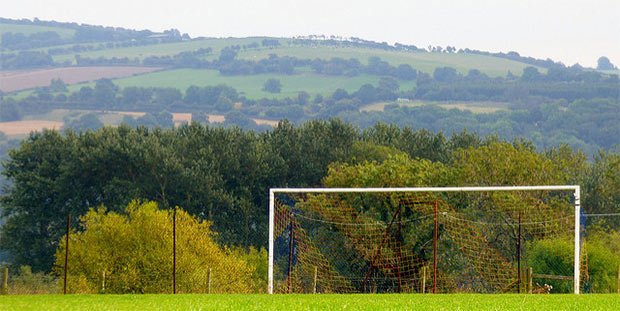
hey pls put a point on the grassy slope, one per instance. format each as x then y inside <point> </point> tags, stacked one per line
<point>424,61</point>
<point>161,49</point>
<point>311,302</point>
<point>64,33</point>
<point>251,85</point>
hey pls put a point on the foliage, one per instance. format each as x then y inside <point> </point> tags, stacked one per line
<point>504,164</point>
<point>134,250</point>
<point>272,86</point>
<point>555,256</point>
<point>396,171</point>
<point>25,282</point>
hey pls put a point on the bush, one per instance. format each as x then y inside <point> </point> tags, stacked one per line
<point>28,283</point>
<point>555,256</point>
<point>132,253</point>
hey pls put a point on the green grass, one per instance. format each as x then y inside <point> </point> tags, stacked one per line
<point>64,33</point>
<point>163,49</point>
<point>311,302</point>
<point>251,85</point>
<point>424,61</point>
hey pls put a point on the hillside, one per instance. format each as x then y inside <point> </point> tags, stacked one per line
<point>52,66</point>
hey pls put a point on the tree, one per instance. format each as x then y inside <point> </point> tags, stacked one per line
<point>134,250</point>
<point>9,111</point>
<point>272,86</point>
<point>105,93</point>
<point>389,84</point>
<point>530,74</point>
<point>57,85</point>
<point>445,74</point>
<point>604,63</point>
<point>89,121</point>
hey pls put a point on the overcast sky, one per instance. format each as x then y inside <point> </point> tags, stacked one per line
<point>569,31</point>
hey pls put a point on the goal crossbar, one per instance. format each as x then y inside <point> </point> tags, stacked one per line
<point>575,188</point>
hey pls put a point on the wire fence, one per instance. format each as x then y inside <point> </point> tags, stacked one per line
<point>217,270</point>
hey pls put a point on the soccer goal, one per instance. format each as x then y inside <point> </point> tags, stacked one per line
<point>423,240</point>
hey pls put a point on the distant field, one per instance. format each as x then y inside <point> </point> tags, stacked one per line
<point>163,49</point>
<point>424,61</point>
<point>11,81</point>
<point>19,128</point>
<point>311,302</point>
<point>252,85</point>
<point>475,107</point>
<point>64,33</point>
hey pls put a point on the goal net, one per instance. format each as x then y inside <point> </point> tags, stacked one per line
<point>423,240</point>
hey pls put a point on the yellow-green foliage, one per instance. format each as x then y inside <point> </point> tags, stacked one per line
<point>134,251</point>
<point>395,171</point>
<point>500,164</point>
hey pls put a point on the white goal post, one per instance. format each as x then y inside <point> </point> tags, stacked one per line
<point>574,188</point>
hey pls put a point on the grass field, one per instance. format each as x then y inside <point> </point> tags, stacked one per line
<point>311,302</point>
<point>163,49</point>
<point>424,61</point>
<point>252,85</point>
<point>475,107</point>
<point>64,33</point>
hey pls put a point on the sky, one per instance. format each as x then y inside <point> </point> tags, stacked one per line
<point>569,31</point>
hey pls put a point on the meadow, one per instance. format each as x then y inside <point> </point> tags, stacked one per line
<point>311,302</point>
<point>423,61</point>
<point>64,33</point>
<point>162,49</point>
<point>251,85</point>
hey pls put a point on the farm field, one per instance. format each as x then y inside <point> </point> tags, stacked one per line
<point>251,85</point>
<point>64,33</point>
<point>474,107</point>
<point>423,61</point>
<point>163,49</point>
<point>11,81</point>
<point>311,302</point>
<point>20,128</point>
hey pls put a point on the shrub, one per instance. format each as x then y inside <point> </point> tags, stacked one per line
<point>132,253</point>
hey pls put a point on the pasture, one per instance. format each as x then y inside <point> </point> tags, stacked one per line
<point>162,49</point>
<point>251,85</point>
<point>64,33</point>
<point>423,61</point>
<point>311,302</point>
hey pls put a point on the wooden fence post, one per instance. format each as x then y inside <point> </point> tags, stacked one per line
<point>423,279</point>
<point>316,273</point>
<point>5,282</point>
<point>209,282</point>
<point>618,289</point>
<point>530,276</point>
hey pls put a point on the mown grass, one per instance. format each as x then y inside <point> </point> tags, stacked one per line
<point>311,302</point>
<point>64,33</point>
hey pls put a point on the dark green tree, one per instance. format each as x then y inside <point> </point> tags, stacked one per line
<point>272,86</point>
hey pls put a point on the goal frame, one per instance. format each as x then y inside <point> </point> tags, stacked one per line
<point>575,188</point>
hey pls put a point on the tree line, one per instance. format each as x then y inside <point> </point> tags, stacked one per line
<point>223,174</point>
